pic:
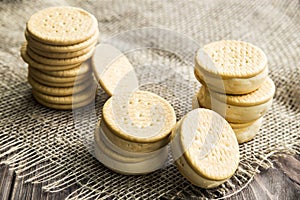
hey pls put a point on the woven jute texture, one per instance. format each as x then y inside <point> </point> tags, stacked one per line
<point>55,147</point>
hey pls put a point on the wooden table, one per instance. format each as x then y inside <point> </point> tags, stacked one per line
<point>281,182</point>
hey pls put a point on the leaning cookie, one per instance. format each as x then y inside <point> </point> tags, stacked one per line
<point>126,162</point>
<point>113,70</point>
<point>231,67</point>
<point>205,148</point>
<point>239,108</point>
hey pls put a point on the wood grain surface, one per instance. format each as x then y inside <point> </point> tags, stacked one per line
<point>280,182</point>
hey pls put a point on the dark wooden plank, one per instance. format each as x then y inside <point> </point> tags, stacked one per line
<point>26,191</point>
<point>21,190</point>
<point>290,166</point>
<point>274,183</point>
<point>6,182</point>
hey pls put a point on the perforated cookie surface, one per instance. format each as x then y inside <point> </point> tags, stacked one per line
<point>259,96</point>
<point>62,25</point>
<point>230,58</point>
<point>140,117</point>
<point>210,144</point>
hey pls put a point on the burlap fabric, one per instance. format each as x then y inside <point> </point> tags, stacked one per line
<point>54,147</point>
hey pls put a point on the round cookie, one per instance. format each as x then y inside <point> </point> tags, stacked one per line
<point>41,66</point>
<point>60,85</point>
<point>234,85</point>
<point>124,165</point>
<point>64,106</point>
<point>55,79</point>
<point>262,95</point>
<point>67,55</point>
<point>62,25</point>
<point>65,100</point>
<point>62,61</point>
<point>56,91</point>
<point>77,71</point>
<point>113,70</point>
<point>61,49</point>
<point>133,156</point>
<point>246,134</point>
<point>205,148</point>
<point>129,146</point>
<point>233,61</point>
<point>244,108</point>
<point>141,117</point>
<point>241,125</point>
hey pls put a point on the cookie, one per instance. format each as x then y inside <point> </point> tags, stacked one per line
<point>244,108</point>
<point>236,86</point>
<point>206,148</point>
<point>247,133</point>
<point>77,71</point>
<point>41,66</point>
<point>55,55</point>
<point>62,25</point>
<point>140,117</point>
<point>64,106</point>
<point>59,61</point>
<point>262,95</point>
<point>241,64</point>
<point>61,49</point>
<point>55,79</point>
<point>113,71</point>
<point>241,125</point>
<point>130,146</point>
<point>59,91</point>
<point>127,165</point>
<point>62,84</point>
<point>65,100</point>
<point>130,156</point>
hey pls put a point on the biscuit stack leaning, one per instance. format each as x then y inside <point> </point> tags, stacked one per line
<point>59,42</point>
<point>234,75</point>
<point>205,148</point>
<point>132,135</point>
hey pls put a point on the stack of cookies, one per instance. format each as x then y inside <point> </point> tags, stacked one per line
<point>132,136</point>
<point>59,42</point>
<point>234,75</point>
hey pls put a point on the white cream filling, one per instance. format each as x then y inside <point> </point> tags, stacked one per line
<point>106,157</point>
<point>122,152</point>
<point>232,85</point>
<point>248,133</point>
<point>133,146</point>
<point>236,114</point>
<point>195,178</point>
